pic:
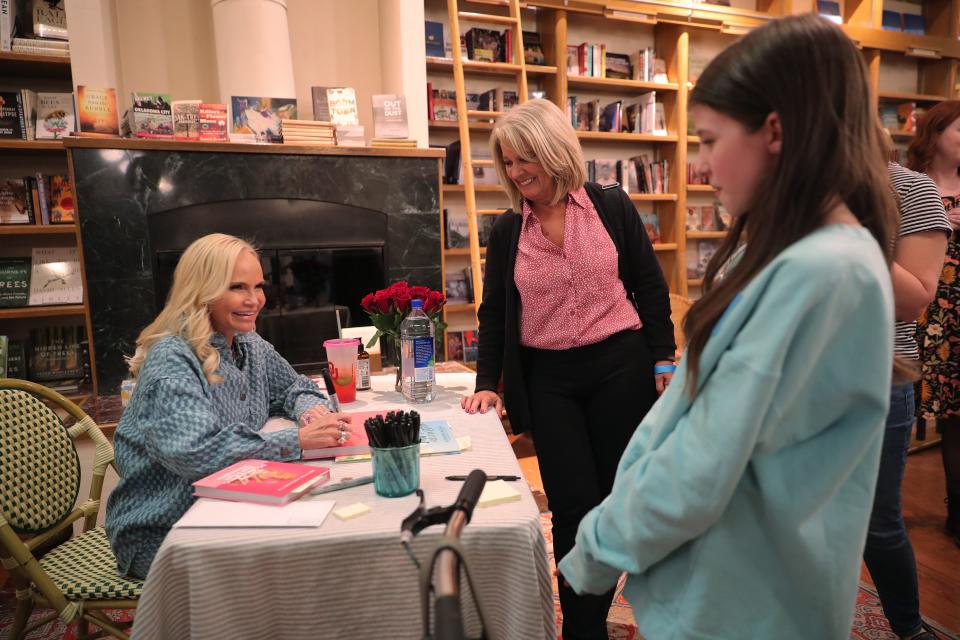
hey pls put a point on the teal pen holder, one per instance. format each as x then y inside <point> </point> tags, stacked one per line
<point>396,470</point>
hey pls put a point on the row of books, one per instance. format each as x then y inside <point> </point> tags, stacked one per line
<point>56,356</point>
<point>456,234</point>
<point>51,275</point>
<point>636,175</point>
<point>463,345</point>
<point>37,199</point>
<point>708,217</point>
<point>37,27</point>
<point>694,176</point>
<point>900,118</point>
<point>699,254</point>
<point>906,22</point>
<point>442,103</point>
<point>644,116</point>
<point>484,45</point>
<point>27,115</point>
<point>593,60</point>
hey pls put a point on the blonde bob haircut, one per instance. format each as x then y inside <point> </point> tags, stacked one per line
<point>203,275</point>
<point>538,131</point>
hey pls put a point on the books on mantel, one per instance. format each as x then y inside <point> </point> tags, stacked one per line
<point>262,481</point>
<point>97,112</point>
<point>308,132</point>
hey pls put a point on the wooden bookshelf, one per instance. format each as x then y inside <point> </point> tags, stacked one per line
<point>26,65</point>
<point>32,145</point>
<point>43,311</point>
<point>462,251</point>
<point>665,246</point>
<point>459,307</point>
<point>892,96</point>
<point>611,136</point>
<point>653,197</point>
<point>38,230</point>
<point>473,67</point>
<point>490,188</point>
<point>705,235</point>
<point>453,125</point>
<point>700,187</point>
<point>617,85</point>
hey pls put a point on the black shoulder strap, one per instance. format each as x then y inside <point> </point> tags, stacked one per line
<point>609,203</point>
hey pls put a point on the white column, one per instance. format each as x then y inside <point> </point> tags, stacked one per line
<point>253,48</point>
<point>403,67</point>
<point>94,59</point>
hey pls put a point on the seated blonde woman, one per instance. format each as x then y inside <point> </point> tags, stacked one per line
<point>206,383</point>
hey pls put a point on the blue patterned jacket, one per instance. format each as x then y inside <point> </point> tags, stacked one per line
<point>179,428</point>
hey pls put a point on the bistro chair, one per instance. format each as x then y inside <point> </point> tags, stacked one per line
<point>77,578</point>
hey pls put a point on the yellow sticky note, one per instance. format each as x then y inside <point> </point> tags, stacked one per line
<point>352,511</point>
<point>497,492</point>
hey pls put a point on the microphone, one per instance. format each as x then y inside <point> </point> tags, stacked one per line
<point>470,493</point>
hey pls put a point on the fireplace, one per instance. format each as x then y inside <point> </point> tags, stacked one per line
<point>331,225</point>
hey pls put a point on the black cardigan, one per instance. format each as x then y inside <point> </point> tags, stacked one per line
<point>499,348</point>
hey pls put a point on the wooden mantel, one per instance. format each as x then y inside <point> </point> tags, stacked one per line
<point>236,147</point>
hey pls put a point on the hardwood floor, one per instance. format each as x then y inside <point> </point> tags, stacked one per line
<point>938,558</point>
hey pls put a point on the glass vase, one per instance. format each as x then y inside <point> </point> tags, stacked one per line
<point>390,355</point>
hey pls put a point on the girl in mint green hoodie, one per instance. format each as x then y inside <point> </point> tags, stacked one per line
<point>740,506</point>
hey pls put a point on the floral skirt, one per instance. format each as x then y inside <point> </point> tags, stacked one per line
<point>938,337</point>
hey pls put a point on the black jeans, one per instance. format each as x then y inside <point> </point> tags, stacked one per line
<point>889,554</point>
<point>585,404</point>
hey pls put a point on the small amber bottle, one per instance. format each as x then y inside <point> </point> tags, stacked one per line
<point>363,369</point>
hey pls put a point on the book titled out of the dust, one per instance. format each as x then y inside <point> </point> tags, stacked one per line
<point>261,481</point>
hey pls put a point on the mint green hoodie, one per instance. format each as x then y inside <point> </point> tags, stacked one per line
<point>743,513</point>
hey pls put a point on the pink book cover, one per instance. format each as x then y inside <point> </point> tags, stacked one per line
<point>261,481</point>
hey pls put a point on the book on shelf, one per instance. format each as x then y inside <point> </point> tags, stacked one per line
<point>651,222</point>
<point>4,348</point>
<point>604,171</point>
<point>914,23</point>
<point>16,358</point>
<point>50,19</point>
<point>55,276</point>
<point>693,218</point>
<point>456,287</point>
<point>708,219</point>
<point>892,20</point>
<point>262,481</point>
<point>454,345</point>
<point>907,117</point>
<point>618,66</point>
<point>341,106</point>
<point>471,344</point>
<point>830,9</point>
<point>533,48</point>
<point>39,50</point>
<point>394,143</point>
<point>350,135</point>
<point>443,104</point>
<point>14,282</point>
<point>390,116</point>
<point>37,46</point>
<point>16,203</point>
<point>13,123</point>
<point>28,100</point>
<point>573,60</point>
<point>212,122</point>
<point>42,183</point>
<point>186,119</point>
<point>311,132</point>
<point>610,117</point>
<point>485,45</point>
<point>56,354</point>
<point>62,209</point>
<point>257,119</point>
<point>456,234</point>
<point>97,112</point>
<point>647,67</point>
<point>55,117</point>
<point>433,32</point>
<point>150,115</point>
<point>724,219</point>
<point>36,41</point>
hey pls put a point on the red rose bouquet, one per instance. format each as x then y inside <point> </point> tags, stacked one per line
<point>388,307</point>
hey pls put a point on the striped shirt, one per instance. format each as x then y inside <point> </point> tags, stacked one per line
<point>570,296</point>
<point>921,209</point>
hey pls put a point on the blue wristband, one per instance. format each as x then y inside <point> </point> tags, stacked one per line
<point>664,368</point>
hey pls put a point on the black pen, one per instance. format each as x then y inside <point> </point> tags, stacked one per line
<point>331,390</point>
<point>461,478</point>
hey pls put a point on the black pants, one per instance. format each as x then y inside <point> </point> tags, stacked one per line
<point>585,404</point>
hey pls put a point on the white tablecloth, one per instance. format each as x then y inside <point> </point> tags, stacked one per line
<point>353,579</point>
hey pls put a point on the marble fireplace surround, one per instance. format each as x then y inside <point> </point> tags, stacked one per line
<point>122,184</point>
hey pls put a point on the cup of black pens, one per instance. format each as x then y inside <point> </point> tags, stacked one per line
<point>395,446</point>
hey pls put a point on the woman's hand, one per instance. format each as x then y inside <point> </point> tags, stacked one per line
<point>560,579</point>
<point>954,217</point>
<point>482,400</point>
<point>663,379</point>
<point>312,414</point>
<point>328,430</point>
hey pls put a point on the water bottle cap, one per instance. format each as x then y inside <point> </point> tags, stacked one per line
<point>416,304</point>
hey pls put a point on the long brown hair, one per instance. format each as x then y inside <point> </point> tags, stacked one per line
<point>930,126</point>
<point>832,151</point>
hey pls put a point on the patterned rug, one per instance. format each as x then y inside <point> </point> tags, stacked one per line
<point>868,620</point>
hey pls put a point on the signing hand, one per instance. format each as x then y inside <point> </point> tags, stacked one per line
<point>328,430</point>
<point>954,217</point>
<point>663,379</point>
<point>312,414</point>
<point>482,400</point>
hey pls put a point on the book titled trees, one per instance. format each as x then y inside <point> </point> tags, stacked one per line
<point>51,275</point>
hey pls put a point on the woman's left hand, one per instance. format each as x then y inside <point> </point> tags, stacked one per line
<point>312,414</point>
<point>663,379</point>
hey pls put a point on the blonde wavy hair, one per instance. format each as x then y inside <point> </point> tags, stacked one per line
<point>538,131</point>
<point>203,274</point>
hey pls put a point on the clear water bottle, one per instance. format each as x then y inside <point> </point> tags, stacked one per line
<point>417,355</point>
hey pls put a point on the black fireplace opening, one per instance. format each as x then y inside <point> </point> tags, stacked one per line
<point>305,289</point>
